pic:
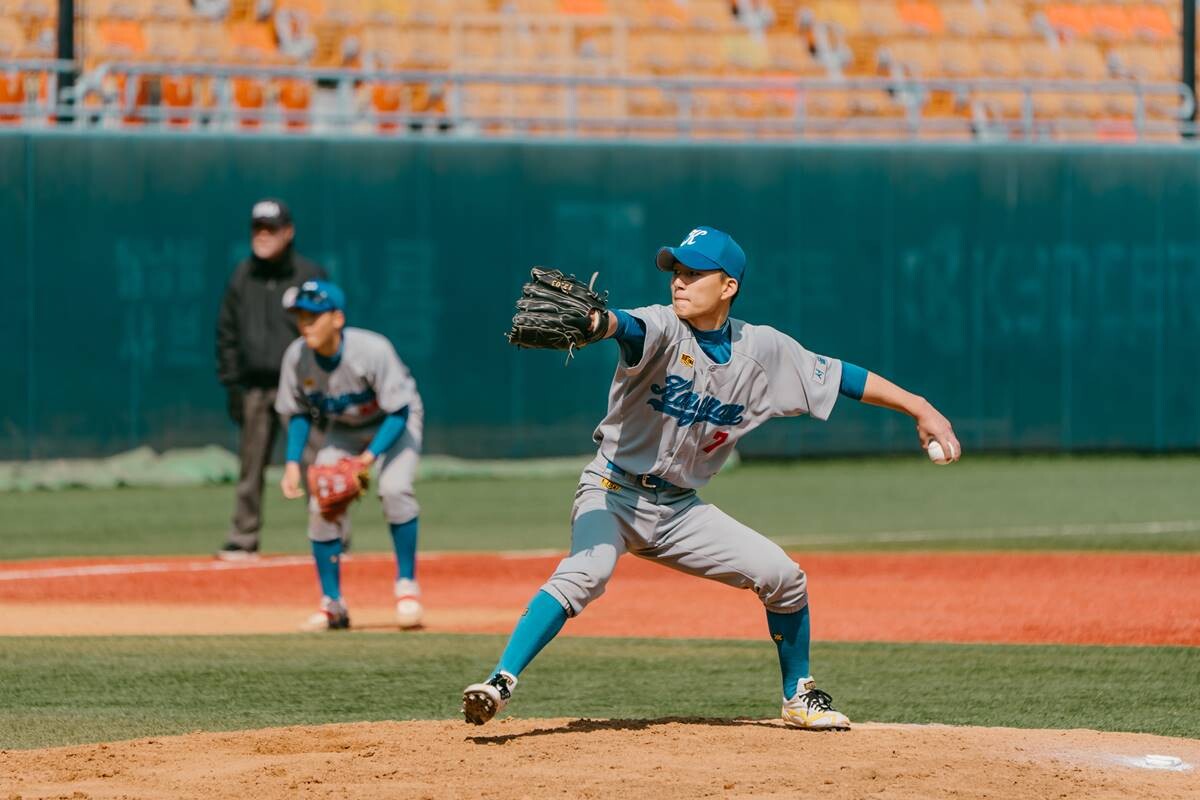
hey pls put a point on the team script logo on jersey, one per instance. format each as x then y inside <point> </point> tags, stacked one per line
<point>679,401</point>
<point>337,404</point>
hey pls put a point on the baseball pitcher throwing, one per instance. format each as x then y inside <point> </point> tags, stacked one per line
<point>353,379</point>
<point>690,381</point>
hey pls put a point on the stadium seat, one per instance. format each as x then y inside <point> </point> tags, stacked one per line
<point>1151,23</point>
<point>1069,20</point>
<point>1112,23</point>
<point>12,39</point>
<point>963,19</point>
<point>959,59</point>
<point>1007,20</point>
<point>114,39</point>
<point>879,18</point>
<point>920,17</point>
<point>589,7</point>
<point>745,53</point>
<point>294,97</point>
<point>787,53</point>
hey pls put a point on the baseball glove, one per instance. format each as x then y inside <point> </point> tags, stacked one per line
<point>554,312</point>
<point>335,486</point>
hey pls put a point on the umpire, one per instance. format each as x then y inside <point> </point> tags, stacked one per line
<point>253,330</point>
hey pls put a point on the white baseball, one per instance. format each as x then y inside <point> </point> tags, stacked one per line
<point>936,455</point>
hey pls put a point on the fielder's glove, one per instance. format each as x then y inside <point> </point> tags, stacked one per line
<point>335,486</point>
<point>555,312</point>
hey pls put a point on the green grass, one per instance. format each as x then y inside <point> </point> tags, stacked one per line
<point>983,502</point>
<point>74,690</point>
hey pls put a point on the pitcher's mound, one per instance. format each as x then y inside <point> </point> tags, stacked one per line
<point>659,759</point>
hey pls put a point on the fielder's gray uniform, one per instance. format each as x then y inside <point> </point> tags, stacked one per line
<point>673,418</point>
<point>369,382</point>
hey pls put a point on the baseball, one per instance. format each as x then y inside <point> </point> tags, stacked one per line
<point>936,455</point>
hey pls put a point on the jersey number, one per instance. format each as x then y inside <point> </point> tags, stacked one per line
<point>718,439</point>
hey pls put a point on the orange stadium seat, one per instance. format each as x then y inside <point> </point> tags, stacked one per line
<point>593,7</point>
<point>1007,20</point>
<point>788,53</point>
<point>38,9</point>
<point>963,19</point>
<point>1069,19</point>
<point>921,17</point>
<point>387,13</point>
<point>208,43</point>
<point>12,39</point>
<point>712,15</point>
<point>1112,23</point>
<point>172,10</point>
<point>915,57</point>
<point>745,53</point>
<point>248,95</point>
<point>959,59</point>
<point>1151,23</point>
<point>252,43</point>
<point>117,39</point>
<point>295,97</point>
<point>879,18</point>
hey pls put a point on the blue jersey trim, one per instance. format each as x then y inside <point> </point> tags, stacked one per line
<point>854,380</point>
<point>718,344</point>
<point>389,432</point>
<point>630,336</point>
<point>330,364</point>
<point>298,427</point>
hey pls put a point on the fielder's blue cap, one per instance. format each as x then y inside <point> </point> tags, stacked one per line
<point>705,249</point>
<point>315,296</point>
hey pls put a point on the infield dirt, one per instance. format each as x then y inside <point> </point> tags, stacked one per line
<point>555,758</point>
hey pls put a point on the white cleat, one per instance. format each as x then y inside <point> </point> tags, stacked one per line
<point>409,611</point>
<point>482,701</point>
<point>812,709</point>
<point>333,616</point>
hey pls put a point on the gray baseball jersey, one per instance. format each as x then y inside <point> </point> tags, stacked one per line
<point>368,383</point>
<point>677,414</point>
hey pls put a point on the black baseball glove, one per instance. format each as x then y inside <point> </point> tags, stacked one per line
<point>554,312</point>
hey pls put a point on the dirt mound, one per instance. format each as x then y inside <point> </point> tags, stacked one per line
<point>667,758</point>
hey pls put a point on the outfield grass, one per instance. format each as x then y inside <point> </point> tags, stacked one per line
<point>74,690</point>
<point>984,502</point>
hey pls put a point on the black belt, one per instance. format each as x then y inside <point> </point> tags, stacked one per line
<point>646,481</point>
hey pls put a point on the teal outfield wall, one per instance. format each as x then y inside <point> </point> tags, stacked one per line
<point>1046,298</point>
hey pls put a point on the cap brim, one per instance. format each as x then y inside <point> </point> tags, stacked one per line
<point>305,305</point>
<point>667,256</point>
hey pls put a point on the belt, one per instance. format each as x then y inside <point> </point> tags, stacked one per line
<point>646,481</point>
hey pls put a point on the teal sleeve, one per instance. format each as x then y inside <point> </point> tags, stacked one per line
<point>389,432</point>
<point>854,381</point>
<point>298,427</point>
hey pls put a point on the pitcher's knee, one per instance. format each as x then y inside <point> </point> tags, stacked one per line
<point>575,588</point>
<point>784,588</point>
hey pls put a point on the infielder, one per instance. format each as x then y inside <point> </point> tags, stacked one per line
<point>690,381</point>
<point>353,379</point>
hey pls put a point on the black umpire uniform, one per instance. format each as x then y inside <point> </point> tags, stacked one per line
<point>253,330</point>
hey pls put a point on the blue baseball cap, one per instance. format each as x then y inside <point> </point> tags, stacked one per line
<point>705,249</point>
<point>315,296</point>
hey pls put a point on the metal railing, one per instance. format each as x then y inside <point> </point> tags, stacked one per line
<point>119,94</point>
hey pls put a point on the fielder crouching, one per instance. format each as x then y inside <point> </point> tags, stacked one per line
<point>353,379</point>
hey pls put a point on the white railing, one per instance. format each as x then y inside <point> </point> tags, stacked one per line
<point>114,95</point>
